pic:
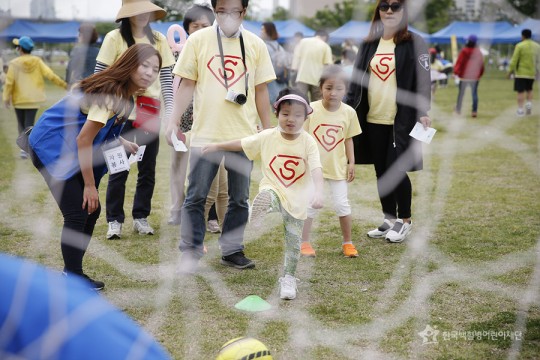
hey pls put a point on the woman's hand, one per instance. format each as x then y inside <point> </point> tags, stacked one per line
<point>172,128</point>
<point>426,121</point>
<point>90,198</point>
<point>130,147</point>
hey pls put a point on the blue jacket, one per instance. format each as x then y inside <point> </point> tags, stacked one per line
<point>54,138</point>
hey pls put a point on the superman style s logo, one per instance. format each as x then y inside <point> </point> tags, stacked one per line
<point>288,169</point>
<point>383,66</point>
<point>329,136</point>
<point>234,69</point>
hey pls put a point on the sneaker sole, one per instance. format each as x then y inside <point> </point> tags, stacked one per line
<point>396,241</point>
<point>259,208</point>
<point>350,256</point>
<point>113,237</point>
<point>377,236</point>
<point>308,255</point>
<point>287,297</point>
<point>236,266</point>
<point>98,288</point>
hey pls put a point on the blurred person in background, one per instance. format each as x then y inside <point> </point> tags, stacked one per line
<point>82,61</point>
<point>525,67</point>
<point>24,88</point>
<point>469,69</point>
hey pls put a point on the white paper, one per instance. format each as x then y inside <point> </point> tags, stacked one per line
<point>138,156</point>
<point>424,135</point>
<point>116,159</point>
<point>178,144</point>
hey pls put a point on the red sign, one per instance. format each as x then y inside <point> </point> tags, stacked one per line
<point>383,66</point>
<point>288,169</point>
<point>329,136</point>
<point>234,69</point>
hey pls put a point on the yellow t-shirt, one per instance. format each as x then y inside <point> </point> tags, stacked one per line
<point>286,166</point>
<point>330,129</point>
<point>114,46</point>
<point>214,118</point>
<point>382,88</point>
<point>310,57</point>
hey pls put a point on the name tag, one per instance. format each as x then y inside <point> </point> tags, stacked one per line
<point>116,158</point>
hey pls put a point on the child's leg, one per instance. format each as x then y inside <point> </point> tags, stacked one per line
<point>293,230</point>
<point>306,249</point>
<point>343,210</point>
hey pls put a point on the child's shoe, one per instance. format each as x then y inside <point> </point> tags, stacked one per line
<point>262,205</point>
<point>306,249</point>
<point>287,290</point>
<point>349,250</point>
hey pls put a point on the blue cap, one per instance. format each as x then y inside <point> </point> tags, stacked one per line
<point>24,42</point>
<point>472,38</point>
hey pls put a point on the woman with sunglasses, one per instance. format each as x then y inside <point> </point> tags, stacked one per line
<point>391,91</point>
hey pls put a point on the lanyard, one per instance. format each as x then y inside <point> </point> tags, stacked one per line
<point>243,50</point>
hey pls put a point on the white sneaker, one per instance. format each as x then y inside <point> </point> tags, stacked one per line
<point>141,226</point>
<point>287,290</point>
<point>213,226</point>
<point>115,230</point>
<point>399,231</point>
<point>520,112</point>
<point>528,108</point>
<point>382,230</point>
<point>262,205</point>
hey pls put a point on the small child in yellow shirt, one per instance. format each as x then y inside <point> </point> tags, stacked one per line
<point>288,157</point>
<point>333,125</point>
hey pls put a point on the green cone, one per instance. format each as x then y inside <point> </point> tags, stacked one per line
<point>253,303</point>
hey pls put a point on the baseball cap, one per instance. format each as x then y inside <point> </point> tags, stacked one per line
<point>472,38</point>
<point>24,42</point>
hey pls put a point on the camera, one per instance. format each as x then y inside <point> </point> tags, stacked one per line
<point>233,97</point>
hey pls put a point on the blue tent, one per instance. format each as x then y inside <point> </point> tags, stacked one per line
<point>513,35</point>
<point>57,32</point>
<point>487,32</point>
<point>358,30</point>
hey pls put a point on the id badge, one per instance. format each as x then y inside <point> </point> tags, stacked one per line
<point>115,157</point>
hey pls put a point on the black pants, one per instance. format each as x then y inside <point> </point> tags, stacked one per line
<point>146,180</point>
<point>393,184</point>
<point>78,224</point>
<point>25,118</point>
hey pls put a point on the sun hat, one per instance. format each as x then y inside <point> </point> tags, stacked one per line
<point>24,42</point>
<point>137,7</point>
<point>294,97</point>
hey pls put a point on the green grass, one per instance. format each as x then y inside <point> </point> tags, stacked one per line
<point>470,265</point>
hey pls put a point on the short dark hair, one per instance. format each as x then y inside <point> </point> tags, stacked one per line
<point>526,33</point>
<point>321,33</point>
<point>196,12</point>
<point>244,3</point>
<point>289,91</point>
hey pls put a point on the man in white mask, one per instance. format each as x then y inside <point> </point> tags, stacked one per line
<point>225,69</point>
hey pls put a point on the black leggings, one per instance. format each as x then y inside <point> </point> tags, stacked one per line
<point>78,224</point>
<point>393,184</point>
<point>25,118</point>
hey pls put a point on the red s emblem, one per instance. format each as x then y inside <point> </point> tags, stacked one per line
<point>288,169</point>
<point>382,66</point>
<point>234,69</point>
<point>329,136</point>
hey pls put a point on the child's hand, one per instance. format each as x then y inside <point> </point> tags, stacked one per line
<point>209,148</point>
<point>350,172</point>
<point>130,147</point>
<point>317,202</point>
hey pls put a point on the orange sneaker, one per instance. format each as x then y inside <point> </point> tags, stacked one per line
<point>349,250</point>
<point>306,249</point>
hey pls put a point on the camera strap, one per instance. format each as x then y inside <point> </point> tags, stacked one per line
<point>222,55</point>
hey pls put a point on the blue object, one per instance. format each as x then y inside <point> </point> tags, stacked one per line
<point>45,315</point>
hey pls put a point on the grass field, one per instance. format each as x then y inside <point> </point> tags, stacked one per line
<point>470,270</point>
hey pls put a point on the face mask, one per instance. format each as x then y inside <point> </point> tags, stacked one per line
<point>229,26</point>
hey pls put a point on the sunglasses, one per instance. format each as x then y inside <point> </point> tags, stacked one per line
<point>396,7</point>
